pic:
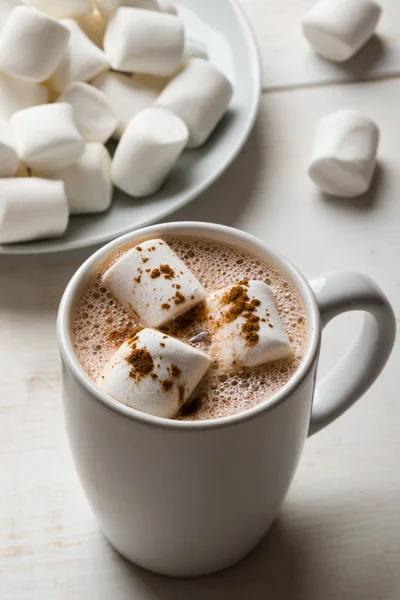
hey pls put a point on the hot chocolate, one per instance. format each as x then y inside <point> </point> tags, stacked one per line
<point>101,325</point>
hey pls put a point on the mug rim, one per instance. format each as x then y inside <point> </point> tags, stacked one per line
<point>190,228</point>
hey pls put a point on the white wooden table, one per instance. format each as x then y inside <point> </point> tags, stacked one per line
<point>338,535</point>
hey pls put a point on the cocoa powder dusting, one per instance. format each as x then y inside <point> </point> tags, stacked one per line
<point>241,305</point>
<point>175,371</point>
<point>167,384</point>
<point>155,273</point>
<point>179,298</point>
<point>165,306</point>
<point>181,398</point>
<point>141,362</point>
<point>167,271</point>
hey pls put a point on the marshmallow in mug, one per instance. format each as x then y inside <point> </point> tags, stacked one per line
<point>62,8</point>
<point>337,29</point>
<point>31,208</point>
<point>94,117</point>
<point>87,182</point>
<point>46,136</point>
<point>149,148</point>
<point>344,154</point>
<point>108,7</point>
<point>199,95</point>
<point>245,325</point>
<point>144,41</point>
<point>17,94</point>
<point>31,44</point>
<point>9,160</point>
<point>153,373</point>
<point>82,61</point>
<point>126,95</point>
<point>153,283</point>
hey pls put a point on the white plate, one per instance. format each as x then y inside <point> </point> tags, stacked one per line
<point>222,27</point>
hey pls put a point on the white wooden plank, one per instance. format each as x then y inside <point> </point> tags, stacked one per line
<point>337,536</point>
<point>288,60</point>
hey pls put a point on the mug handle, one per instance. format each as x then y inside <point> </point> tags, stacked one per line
<point>337,293</point>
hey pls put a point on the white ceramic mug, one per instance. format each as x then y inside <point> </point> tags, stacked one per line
<point>189,498</point>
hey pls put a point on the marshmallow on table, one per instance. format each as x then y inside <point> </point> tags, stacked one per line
<point>46,136</point>
<point>167,7</point>
<point>94,117</point>
<point>62,8</point>
<point>9,160</point>
<point>31,209</point>
<point>344,154</point>
<point>82,61</point>
<point>144,41</point>
<point>94,26</point>
<point>127,96</point>
<point>108,7</point>
<point>199,95</point>
<point>153,283</point>
<point>246,328</point>
<point>17,94</point>
<point>147,151</point>
<point>337,29</point>
<point>31,44</point>
<point>87,182</point>
<point>153,373</point>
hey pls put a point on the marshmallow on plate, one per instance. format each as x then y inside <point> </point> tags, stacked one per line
<point>147,151</point>
<point>9,160</point>
<point>337,29</point>
<point>93,114</point>
<point>87,182</point>
<point>199,95</point>
<point>127,97</point>
<point>31,208</point>
<point>108,7</point>
<point>153,283</point>
<point>344,154</point>
<point>167,7</point>
<point>82,61</point>
<point>22,171</point>
<point>245,325</point>
<point>144,41</point>
<point>62,8</point>
<point>46,136</point>
<point>94,26</point>
<point>194,49</point>
<point>31,44</point>
<point>153,373</point>
<point>6,7</point>
<point>17,94</point>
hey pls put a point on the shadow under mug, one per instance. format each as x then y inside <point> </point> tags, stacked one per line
<point>190,498</point>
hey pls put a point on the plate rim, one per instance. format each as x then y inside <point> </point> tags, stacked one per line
<point>255,64</point>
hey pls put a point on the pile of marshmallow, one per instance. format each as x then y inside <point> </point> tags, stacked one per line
<point>345,147</point>
<point>73,73</point>
<point>154,285</point>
